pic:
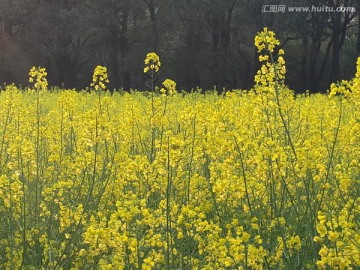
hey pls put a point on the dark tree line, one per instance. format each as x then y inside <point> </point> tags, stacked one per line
<point>202,43</point>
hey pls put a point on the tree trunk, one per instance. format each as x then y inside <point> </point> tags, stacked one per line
<point>303,75</point>
<point>154,27</point>
<point>127,80</point>
<point>314,54</point>
<point>358,38</point>
<point>67,71</point>
<point>124,47</point>
<point>335,60</point>
<point>115,79</point>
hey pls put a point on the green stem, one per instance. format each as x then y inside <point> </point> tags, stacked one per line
<point>168,195</point>
<point>37,182</point>
<point>191,161</point>
<point>277,95</point>
<point>244,176</point>
<point>331,156</point>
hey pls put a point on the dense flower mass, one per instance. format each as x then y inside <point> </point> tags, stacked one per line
<point>194,186</point>
<point>244,180</point>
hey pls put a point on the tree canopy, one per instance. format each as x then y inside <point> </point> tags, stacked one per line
<point>205,43</point>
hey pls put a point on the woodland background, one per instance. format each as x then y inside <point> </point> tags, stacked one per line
<point>205,43</point>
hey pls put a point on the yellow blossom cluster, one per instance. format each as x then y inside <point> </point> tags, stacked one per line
<point>169,87</point>
<point>356,82</point>
<point>339,238</point>
<point>343,88</point>
<point>266,40</point>
<point>38,77</point>
<point>100,78</point>
<point>272,72</point>
<point>348,89</point>
<point>152,62</point>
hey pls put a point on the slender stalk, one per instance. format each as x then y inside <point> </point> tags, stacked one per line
<point>168,197</point>
<point>191,161</point>
<point>24,220</point>
<point>277,95</point>
<point>37,182</point>
<point>11,227</point>
<point>210,186</point>
<point>153,129</point>
<point>88,197</point>
<point>4,130</point>
<point>331,156</point>
<point>244,176</point>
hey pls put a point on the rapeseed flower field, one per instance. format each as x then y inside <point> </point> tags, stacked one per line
<point>258,179</point>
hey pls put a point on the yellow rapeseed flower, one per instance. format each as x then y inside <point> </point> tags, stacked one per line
<point>152,62</point>
<point>169,87</point>
<point>100,78</point>
<point>38,77</point>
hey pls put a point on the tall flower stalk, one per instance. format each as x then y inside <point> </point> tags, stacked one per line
<point>152,67</point>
